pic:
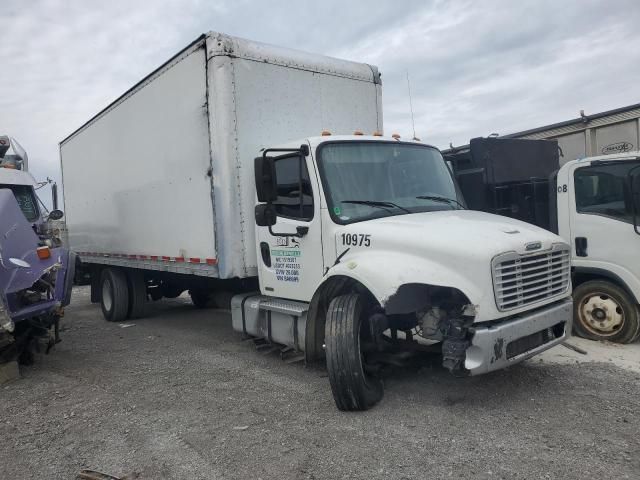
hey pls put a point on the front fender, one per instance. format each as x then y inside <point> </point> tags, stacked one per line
<point>609,270</point>
<point>382,273</point>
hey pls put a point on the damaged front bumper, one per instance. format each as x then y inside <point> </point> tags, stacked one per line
<point>500,345</point>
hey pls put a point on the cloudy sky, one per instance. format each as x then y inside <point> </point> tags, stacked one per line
<point>475,67</point>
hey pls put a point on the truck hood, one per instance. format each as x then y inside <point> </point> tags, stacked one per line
<point>451,248</point>
<point>464,233</point>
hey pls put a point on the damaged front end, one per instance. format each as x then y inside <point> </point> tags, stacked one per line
<point>424,318</point>
<point>35,284</point>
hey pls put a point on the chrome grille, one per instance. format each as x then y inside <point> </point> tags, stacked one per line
<point>520,280</point>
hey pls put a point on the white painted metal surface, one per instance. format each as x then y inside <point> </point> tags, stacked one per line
<point>613,245</point>
<point>136,178</point>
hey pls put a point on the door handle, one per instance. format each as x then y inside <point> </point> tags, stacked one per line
<point>581,246</point>
<point>265,251</point>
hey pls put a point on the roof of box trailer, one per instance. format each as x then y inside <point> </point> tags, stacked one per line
<point>220,44</point>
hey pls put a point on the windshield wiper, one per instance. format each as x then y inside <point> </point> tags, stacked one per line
<point>373,203</point>
<point>437,198</point>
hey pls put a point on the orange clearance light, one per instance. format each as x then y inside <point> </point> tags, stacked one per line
<point>396,136</point>
<point>377,134</point>
<point>43,253</point>
<point>325,133</point>
<point>10,166</point>
<point>358,132</point>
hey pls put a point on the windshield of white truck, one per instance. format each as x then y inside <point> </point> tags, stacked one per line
<point>366,180</point>
<point>26,200</point>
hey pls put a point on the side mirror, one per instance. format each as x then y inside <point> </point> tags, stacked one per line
<point>265,215</point>
<point>266,183</point>
<point>56,215</point>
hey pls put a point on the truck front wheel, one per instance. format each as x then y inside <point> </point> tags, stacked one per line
<point>353,389</point>
<point>604,311</point>
<point>114,298</point>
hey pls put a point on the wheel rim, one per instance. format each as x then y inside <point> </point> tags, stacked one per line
<point>107,296</point>
<point>601,314</point>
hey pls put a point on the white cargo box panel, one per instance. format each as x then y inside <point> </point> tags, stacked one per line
<point>163,177</point>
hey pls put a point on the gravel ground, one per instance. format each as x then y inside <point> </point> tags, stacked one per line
<point>179,395</point>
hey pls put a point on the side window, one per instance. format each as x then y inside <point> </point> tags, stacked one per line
<point>26,200</point>
<point>605,190</point>
<point>295,196</point>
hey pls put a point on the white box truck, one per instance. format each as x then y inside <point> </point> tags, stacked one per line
<point>209,175</point>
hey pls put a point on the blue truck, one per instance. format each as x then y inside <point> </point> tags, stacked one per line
<point>36,271</point>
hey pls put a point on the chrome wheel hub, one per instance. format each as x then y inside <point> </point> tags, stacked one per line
<point>601,314</point>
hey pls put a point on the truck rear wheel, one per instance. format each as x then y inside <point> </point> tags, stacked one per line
<point>604,311</point>
<point>137,294</point>
<point>353,389</point>
<point>114,298</point>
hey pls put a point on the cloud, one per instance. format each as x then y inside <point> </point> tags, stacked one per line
<point>475,67</point>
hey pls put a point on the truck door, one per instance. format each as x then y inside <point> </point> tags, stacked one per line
<point>290,252</point>
<point>602,218</point>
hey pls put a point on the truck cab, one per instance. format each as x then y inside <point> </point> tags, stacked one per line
<point>367,255</point>
<point>599,214</point>
<point>35,270</point>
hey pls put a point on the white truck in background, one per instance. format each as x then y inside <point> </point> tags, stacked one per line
<point>207,176</point>
<point>598,212</point>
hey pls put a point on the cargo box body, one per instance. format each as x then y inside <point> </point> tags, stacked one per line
<point>162,179</point>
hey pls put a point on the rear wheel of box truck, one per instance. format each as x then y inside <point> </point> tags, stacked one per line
<point>137,287</point>
<point>353,388</point>
<point>114,294</point>
<point>604,311</point>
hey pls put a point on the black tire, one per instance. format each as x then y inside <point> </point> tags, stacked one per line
<point>114,295</point>
<point>604,311</point>
<point>137,294</point>
<point>202,298</point>
<point>352,388</point>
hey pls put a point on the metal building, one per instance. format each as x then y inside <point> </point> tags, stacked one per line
<point>614,131</point>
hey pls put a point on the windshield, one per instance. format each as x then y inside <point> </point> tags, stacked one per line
<point>365,180</point>
<point>26,200</point>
